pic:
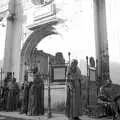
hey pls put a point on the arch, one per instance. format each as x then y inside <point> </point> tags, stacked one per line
<point>36,36</point>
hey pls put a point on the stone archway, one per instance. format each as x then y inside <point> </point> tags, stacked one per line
<point>14,35</point>
<point>36,36</point>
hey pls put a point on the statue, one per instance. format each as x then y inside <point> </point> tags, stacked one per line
<point>73,103</point>
<point>36,97</point>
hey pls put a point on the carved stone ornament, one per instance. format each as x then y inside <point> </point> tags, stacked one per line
<point>92,62</point>
<point>37,2</point>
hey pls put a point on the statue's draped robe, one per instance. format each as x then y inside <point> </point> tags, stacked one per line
<point>5,96</point>
<point>24,108</point>
<point>21,97</point>
<point>12,96</point>
<point>41,97</point>
<point>34,107</point>
<point>73,103</point>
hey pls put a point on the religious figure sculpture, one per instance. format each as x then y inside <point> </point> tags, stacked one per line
<point>35,101</point>
<point>24,107</point>
<point>73,102</point>
<point>13,91</point>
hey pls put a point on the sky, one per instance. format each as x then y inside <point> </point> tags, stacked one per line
<point>76,34</point>
<point>113,29</point>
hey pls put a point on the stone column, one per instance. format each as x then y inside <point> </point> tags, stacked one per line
<point>101,38</point>
<point>9,38</point>
<point>14,36</point>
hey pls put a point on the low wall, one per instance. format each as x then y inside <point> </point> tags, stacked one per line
<point>57,95</point>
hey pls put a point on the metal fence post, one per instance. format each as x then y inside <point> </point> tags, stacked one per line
<point>1,76</point>
<point>49,90</point>
<point>87,81</point>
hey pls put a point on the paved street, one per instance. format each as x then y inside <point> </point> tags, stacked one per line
<point>17,116</point>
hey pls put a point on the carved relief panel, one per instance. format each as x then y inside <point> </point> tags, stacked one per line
<point>38,10</point>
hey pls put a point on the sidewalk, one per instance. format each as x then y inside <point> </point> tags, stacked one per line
<point>54,116</point>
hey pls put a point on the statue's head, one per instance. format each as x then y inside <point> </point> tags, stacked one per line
<point>9,75</point>
<point>73,66</point>
<point>74,62</point>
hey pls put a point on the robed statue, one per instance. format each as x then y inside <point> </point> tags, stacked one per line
<point>73,103</point>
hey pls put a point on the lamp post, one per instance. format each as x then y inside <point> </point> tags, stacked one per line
<point>1,75</point>
<point>26,72</point>
<point>97,77</point>
<point>69,57</point>
<point>35,54</point>
<point>49,89</point>
<point>87,65</point>
<point>87,81</point>
<point>66,80</point>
